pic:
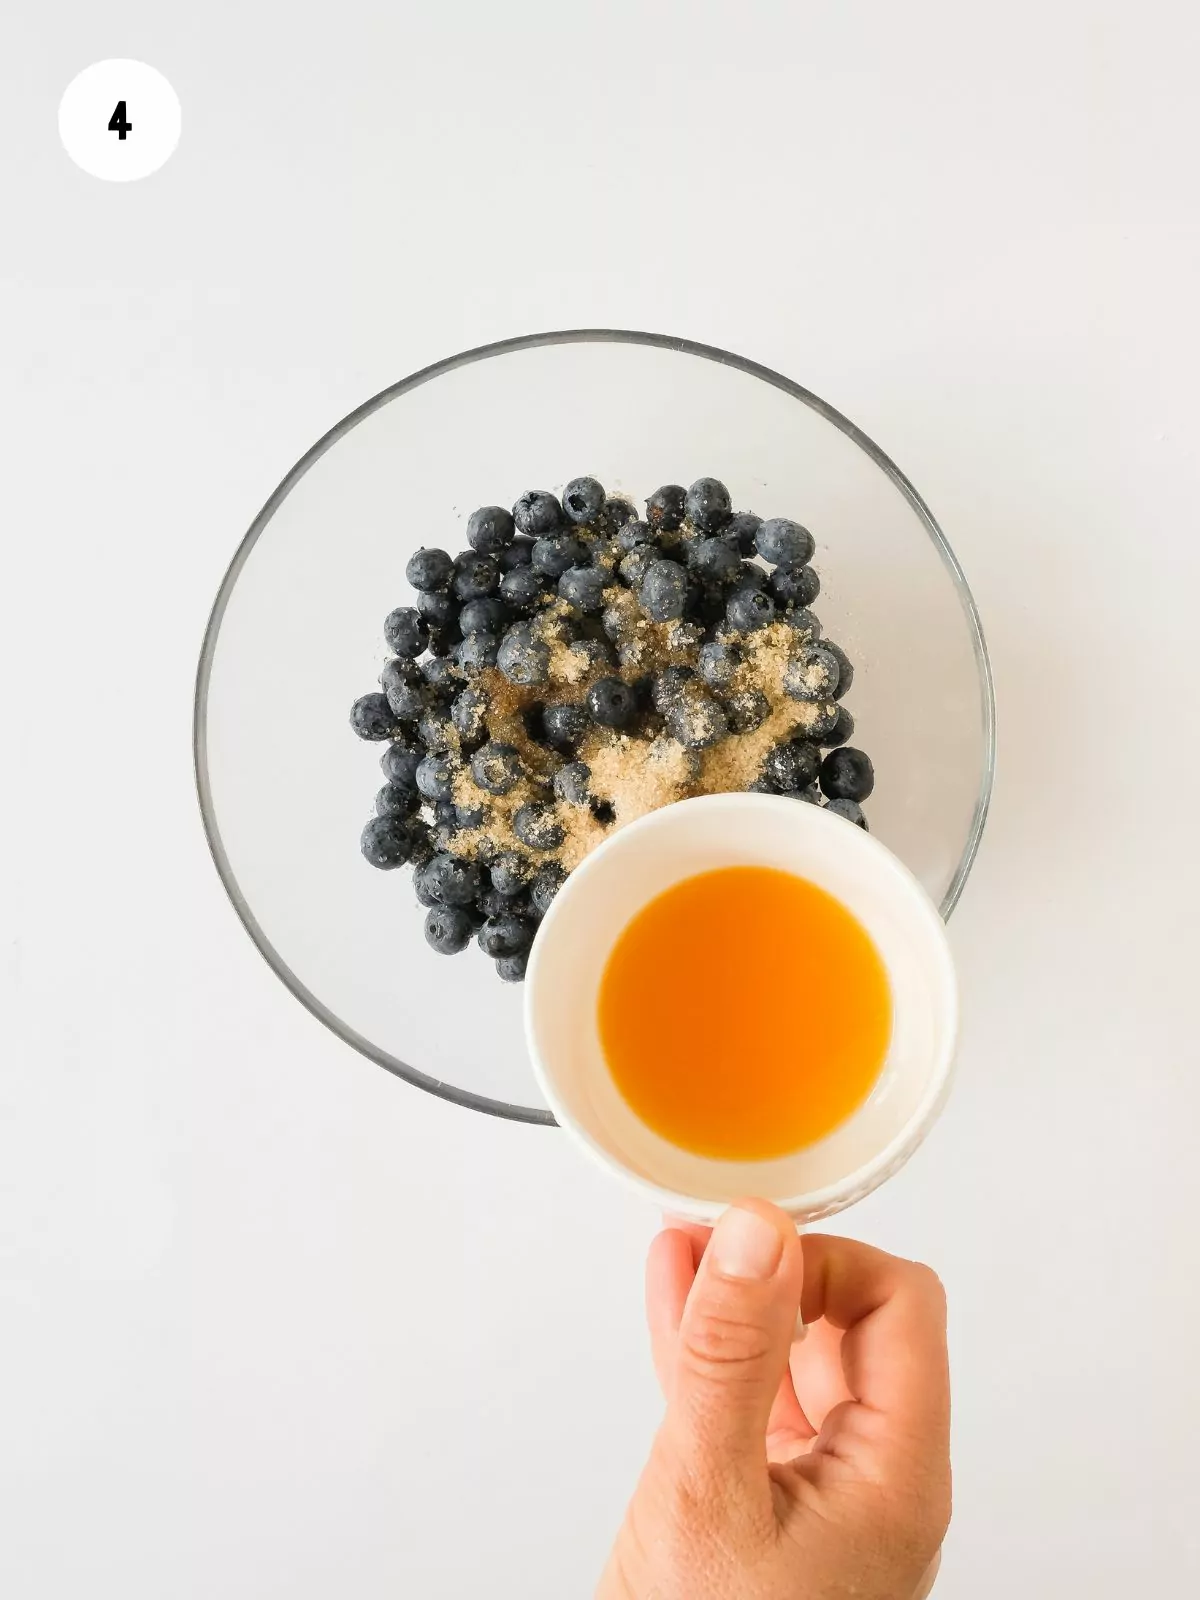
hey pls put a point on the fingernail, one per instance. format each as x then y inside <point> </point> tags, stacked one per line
<point>745,1245</point>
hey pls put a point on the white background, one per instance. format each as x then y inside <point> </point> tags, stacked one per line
<point>274,1324</point>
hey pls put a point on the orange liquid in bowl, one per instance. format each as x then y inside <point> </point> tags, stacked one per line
<point>744,1013</point>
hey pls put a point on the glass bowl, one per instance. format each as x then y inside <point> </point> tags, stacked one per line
<point>295,636</point>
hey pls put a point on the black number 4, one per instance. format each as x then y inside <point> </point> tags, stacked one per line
<point>117,123</point>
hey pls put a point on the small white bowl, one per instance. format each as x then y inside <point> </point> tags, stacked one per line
<point>639,862</point>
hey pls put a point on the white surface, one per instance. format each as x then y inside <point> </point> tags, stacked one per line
<point>242,1270</point>
<point>636,865</point>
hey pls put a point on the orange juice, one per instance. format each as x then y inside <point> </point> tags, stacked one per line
<point>744,1013</point>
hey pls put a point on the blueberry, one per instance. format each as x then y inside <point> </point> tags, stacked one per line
<point>634,566</point>
<point>491,904</point>
<point>409,701</point>
<point>751,577</point>
<point>405,631</point>
<point>696,721</point>
<point>423,883</point>
<point>437,609</point>
<point>429,569</point>
<point>739,532</point>
<point>386,842</point>
<point>523,659</point>
<point>517,554</point>
<point>611,703</point>
<point>635,536</point>
<point>523,590</point>
<point>435,778</point>
<point>510,873</point>
<point>664,590</point>
<point>470,816</point>
<point>511,969</point>
<point>811,795</point>
<point>564,726</point>
<point>453,881</point>
<point>571,784</point>
<point>489,529</point>
<point>847,774</point>
<point>717,664</point>
<point>749,610</point>
<point>505,935</point>
<point>482,616</point>
<point>795,586</point>
<point>399,763</point>
<point>537,513</point>
<point>708,505</point>
<point>398,670</point>
<point>442,676</point>
<point>845,667</point>
<point>820,718</point>
<point>746,710</point>
<point>496,768</point>
<point>617,514</point>
<point>445,824</point>
<point>444,641</point>
<point>590,656</point>
<point>668,687</point>
<point>475,576</point>
<point>552,557</point>
<point>583,499</point>
<point>448,929</point>
<point>811,674</point>
<point>803,622</point>
<point>842,730</point>
<point>372,717</point>
<point>583,588</point>
<point>546,884</point>
<point>666,508</point>
<point>761,785</point>
<point>850,810</point>
<point>713,559</point>
<point>469,714</point>
<point>783,542</point>
<point>435,730</point>
<point>793,765</point>
<point>537,826</point>
<point>394,801</point>
<point>477,653</point>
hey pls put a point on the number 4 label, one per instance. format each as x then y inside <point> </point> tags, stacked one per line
<point>117,122</point>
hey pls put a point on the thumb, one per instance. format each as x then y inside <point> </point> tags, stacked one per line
<point>734,1339</point>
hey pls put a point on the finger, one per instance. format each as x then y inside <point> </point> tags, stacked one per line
<point>893,1314</point>
<point>734,1340</point>
<point>670,1272</point>
<point>817,1371</point>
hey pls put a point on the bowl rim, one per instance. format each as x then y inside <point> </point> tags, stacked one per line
<point>501,347</point>
<point>869,1175</point>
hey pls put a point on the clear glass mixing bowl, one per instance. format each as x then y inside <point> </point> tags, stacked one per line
<point>295,637</point>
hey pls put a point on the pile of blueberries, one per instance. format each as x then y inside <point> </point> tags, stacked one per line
<point>688,561</point>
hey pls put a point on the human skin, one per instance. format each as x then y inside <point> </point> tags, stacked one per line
<point>784,1470</point>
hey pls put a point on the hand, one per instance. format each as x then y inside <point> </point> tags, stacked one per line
<point>810,1471</point>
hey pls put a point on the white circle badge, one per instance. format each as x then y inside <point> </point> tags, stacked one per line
<point>119,120</point>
